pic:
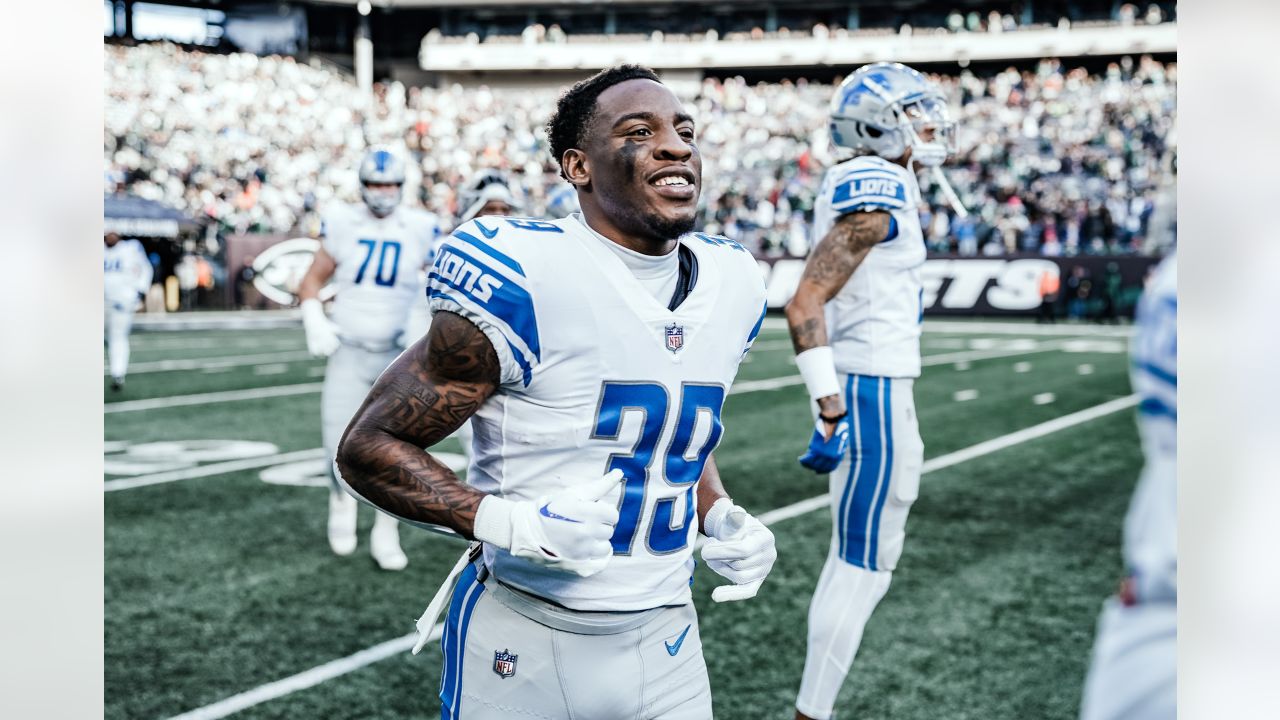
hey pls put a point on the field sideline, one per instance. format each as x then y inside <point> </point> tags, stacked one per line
<point>222,596</point>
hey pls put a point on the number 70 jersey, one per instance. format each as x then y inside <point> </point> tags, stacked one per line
<point>378,264</point>
<point>597,375</point>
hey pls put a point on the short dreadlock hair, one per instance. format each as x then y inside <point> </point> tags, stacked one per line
<point>576,109</point>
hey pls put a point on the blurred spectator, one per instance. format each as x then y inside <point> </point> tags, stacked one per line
<point>1109,291</point>
<point>1078,292</point>
<point>1049,284</point>
<point>955,21</point>
<point>1050,159</point>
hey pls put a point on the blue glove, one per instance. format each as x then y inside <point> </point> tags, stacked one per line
<point>825,453</point>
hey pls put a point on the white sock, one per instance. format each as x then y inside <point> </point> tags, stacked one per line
<point>383,522</point>
<point>843,601</point>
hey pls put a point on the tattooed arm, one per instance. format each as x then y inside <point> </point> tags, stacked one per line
<point>425,395</point>
<point>826,271</point>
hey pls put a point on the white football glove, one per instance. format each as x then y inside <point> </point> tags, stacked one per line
<point>568,530</point>
<point>322,334</point>
<point>739,548</point>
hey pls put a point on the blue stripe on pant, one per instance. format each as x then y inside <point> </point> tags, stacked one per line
<point>453,643</point>
<point>871,466</point>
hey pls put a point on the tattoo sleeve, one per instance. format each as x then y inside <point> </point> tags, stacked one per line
<point>827,270</point>
<point>425,395</point>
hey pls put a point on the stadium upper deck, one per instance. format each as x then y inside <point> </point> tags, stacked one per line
<point>425,38</point>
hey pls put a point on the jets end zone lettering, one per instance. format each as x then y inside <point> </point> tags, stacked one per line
<point>977,286</point>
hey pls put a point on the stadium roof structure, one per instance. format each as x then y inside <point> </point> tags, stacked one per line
<point>459,55</point>
<point>481,3</point>
<point>138,217</point>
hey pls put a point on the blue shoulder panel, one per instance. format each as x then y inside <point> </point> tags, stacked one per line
<point>873,188</point>
<point>483,280</point>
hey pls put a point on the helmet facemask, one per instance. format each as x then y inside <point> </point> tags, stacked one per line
<point>382,198</point>
<point>923,118</point>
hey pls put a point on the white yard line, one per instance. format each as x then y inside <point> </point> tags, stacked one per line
<point>970,355</point>
<point>212,397</point>
<point>236,465</point>
<point>213,469</point>
<point>209,363</point>
<point>997,327</point>
<point>1014,328</point>
<point>742,387</point>
<point>381,651</point>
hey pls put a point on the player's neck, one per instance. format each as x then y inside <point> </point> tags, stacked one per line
<point>636,243</point>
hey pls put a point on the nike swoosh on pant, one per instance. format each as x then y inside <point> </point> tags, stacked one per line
<point>672,649</point>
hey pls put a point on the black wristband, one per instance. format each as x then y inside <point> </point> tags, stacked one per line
<point>835,419</point>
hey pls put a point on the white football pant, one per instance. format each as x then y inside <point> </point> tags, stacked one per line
<point>872,491</point>
<point>1134,672</point>
<point>500,663</point>
<point>348,377</point>
<point>117,323</point>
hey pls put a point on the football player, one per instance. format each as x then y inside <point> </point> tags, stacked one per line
<point>1134,670</point>
<point>487,193</point>
<point>562,202</point>
<point>855,324</point>
<point>375,251</point>
<point>593,354</point>
<point>126,278</point>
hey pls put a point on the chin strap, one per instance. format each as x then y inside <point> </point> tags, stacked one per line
<point>941,178</point>
<point>932,155</point>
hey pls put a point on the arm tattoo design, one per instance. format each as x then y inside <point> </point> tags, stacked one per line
<point>425,395</point>
<point>828,269</point>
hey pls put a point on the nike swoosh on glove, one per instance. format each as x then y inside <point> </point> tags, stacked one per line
<point>568,530</point>
<point>739,548</point>
<point>824,453</point>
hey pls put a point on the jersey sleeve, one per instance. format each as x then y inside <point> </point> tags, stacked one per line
<point>144,272</point>
<point>868,185</point>
<point>740,264</point>
<point>331,223</point>
<point>477,277</point>
<point>429,236</point>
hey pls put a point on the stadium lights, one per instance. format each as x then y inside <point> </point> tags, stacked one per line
<point>363,7</point>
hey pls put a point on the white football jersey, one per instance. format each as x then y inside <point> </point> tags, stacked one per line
<point>873,323</point>
<point>378,263</point>
<point>596,375</point>
<point>126,272</point>
<point>1151,526</point>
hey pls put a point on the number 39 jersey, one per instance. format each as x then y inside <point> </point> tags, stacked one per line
<point>596,375</point>
<point>378,261</point>
<point>874,321</point>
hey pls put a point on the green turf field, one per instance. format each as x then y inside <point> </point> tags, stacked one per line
<point>222,595</point>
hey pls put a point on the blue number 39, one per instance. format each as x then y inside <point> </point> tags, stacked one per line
<point>651,401</point>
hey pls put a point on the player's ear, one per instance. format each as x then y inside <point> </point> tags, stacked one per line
<point>577,169</point>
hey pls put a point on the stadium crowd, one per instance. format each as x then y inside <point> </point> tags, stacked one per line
<point>1052,160</point>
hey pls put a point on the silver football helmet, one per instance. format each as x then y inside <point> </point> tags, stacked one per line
<point>486,185</point>
<point>884,108</point>
<point>381,167</point>
<point>562,202</point>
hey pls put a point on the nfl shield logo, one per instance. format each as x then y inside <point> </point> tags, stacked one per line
<point>504,663</point>
<point>675,337</point>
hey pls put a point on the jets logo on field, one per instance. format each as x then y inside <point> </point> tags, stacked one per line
<point>504,663</point>
<point>278,270</point>
<point>675,337</point>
